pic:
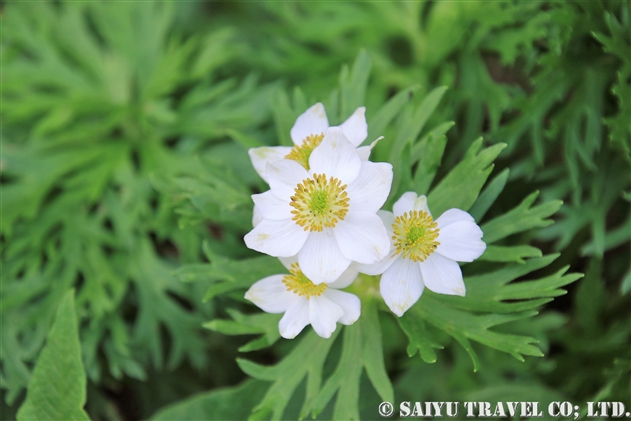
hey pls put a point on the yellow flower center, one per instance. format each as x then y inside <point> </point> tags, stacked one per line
<point>298,283</point>
<point>301,153</point>
<point>319,202</point>
<point>415,235</point>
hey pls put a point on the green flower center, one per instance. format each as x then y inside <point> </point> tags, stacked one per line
<point>415,235</point>
<point>319,202</point>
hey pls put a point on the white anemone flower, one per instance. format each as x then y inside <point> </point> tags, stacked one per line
<point>307,133</point>
<point>326,215</point>
<point>424,252</point>
<point>303,302</point>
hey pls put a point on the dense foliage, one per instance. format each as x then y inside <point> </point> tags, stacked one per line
<point>125,176</point>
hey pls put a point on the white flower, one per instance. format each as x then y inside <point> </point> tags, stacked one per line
<point>303,302</point>
<point>424,252</point>
<point>326,215</point>
<point>307,133</point>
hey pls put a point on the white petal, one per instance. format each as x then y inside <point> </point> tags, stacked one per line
<point>277,238</point>
<point>362,237</point>
<point>256,216</point>
<point>378,268</point>
<point>355,128</point>
<point>271,207</point>
<point>311,122</point>
<point>320,258</point>
<point>349,303</point>
<point>261,156</point>
<point>295,319</point>
<point>288,261</point>
<point>401,285</point>
<point>452,216</point>
<point>442,275</point>
<point>410,201</point>
<point>324,314</point>
<point>283,176</point>
<point>335,157</point>
<point>459,237</point>
<point>387,218</point>
<point>346,278</point>
<point>364,151</point>
<point>271,295</point>
<point>381,266</point>
<point>370,189</point>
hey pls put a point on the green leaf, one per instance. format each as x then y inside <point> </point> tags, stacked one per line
<point>264,323</point>
<point>362,348</point>
<point>360,339</point>
<point>420,339</point>
<point>345,380</point>
<point>489,195</point>
<point>372,350</point>
<point>460,188</point>
<point>353,85</point>
<point>429,152</point>
<point>491,300</point>
<point>494,291</point>
<point>284,117</point>
<point>57,390</point>
<point>509,253</point>
<point>412,122</point>
<point>305,360</point>
<point>382,118</point>
<point>229,403</point>
<point>224,274</point>
<point>521,218</point>
<point>464,326</point>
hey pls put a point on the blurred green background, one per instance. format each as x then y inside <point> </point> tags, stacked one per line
<point>125,129</point>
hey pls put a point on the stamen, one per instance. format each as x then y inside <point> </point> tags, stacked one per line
<point>319,203</point>
<point>302,153</point>
<point>415,235</point>
<point>299,284</point>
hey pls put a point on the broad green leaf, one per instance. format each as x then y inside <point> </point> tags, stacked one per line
<point>230,403</point>
<point>57,389</point>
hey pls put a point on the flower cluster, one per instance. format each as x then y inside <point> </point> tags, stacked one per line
<point>321,217</point>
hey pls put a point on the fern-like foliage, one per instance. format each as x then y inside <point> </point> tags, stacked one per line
<point>89,113</point>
